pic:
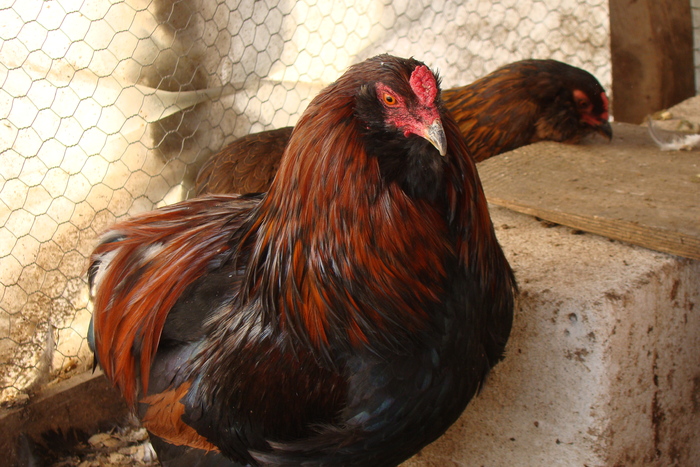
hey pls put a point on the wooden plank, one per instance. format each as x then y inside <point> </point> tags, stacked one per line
<point>627,190</point>
<point>651,44</point>
<point>84,402</point>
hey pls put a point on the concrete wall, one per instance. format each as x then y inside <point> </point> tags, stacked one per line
<point>603,366</point>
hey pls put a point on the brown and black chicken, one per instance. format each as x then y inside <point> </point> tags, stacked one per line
<point>526,102</point>
<point>519,104</point>
<point>346,317</point>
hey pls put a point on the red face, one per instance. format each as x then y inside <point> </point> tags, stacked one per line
<point>585,108</point>
<point>423,119</point>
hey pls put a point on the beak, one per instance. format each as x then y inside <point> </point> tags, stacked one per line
<point>436,135</point>
<point>605,129</point>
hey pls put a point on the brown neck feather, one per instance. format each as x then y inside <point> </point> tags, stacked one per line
<point>362,253</point>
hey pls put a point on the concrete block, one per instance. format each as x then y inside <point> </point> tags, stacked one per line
<point>603,364</point>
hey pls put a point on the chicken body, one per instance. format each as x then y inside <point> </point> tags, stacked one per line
<point>519,104</point>
<point>346,317</point>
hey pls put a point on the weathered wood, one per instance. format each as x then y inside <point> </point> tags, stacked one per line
<point>84,402</point>
<point>651,45</point>
<point>627,190</point>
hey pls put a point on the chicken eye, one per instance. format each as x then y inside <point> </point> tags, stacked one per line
<point>389,99</point>
<point>582,101</point>
<point>583,104</point>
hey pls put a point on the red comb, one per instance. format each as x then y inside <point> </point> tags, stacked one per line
<point>606,105</point>
<point>423,84</point>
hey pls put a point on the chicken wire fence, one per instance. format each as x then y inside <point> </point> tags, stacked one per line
<point>108,108</point>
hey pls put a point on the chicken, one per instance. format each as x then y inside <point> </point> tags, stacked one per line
<point>247,165</point>
<point>526,102</point>
<point>519,104</point>
<point>346,317</point>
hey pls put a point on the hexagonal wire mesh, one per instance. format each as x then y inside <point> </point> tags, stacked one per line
<point>108,108</point>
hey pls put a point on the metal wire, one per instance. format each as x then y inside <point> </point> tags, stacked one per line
<point>108,108</point>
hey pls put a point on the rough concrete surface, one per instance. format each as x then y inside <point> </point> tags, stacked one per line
<point>603,364</point>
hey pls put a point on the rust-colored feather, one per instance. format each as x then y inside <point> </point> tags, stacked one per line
<point>249,164</point>
<point>136,292</point>
<point>317,244</point>
<point>163,418</point>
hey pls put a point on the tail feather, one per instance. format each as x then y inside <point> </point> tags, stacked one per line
<point>139,271</point>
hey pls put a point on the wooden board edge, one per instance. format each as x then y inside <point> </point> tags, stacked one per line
<point>84,402</point>
<point>674,243</point>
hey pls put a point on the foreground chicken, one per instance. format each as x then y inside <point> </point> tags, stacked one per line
<point>519,104</point>
<point>345,318</point>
